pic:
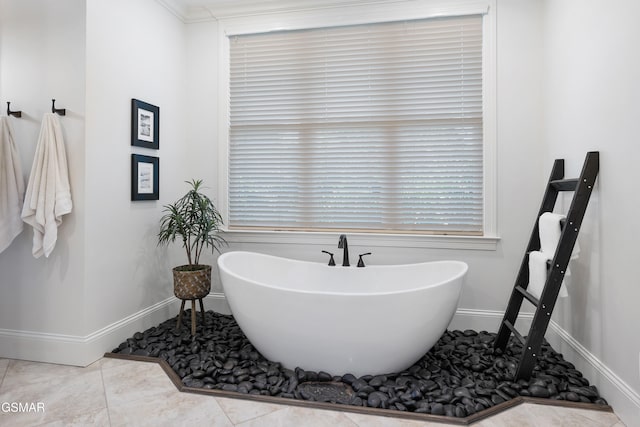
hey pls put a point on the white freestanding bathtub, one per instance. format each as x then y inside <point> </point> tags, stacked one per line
<point>371,320</point>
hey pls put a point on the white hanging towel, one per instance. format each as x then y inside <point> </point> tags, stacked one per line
<point>48,195</point>
<point>11,186</point>
<point>550,231</point>
<point>538,274</point>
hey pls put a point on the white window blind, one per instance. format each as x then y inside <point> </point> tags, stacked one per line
<point>370,127</point>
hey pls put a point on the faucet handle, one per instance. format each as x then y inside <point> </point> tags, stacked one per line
<point>331,260</point>
<point>360,261</point>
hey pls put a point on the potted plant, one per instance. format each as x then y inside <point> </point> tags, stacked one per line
<point>195,220</point>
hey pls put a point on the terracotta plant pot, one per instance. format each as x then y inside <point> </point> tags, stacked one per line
<point>191,281</point>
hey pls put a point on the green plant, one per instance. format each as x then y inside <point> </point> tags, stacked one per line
<point>195,220</point>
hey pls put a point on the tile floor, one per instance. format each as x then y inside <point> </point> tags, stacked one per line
<point>113,392</point>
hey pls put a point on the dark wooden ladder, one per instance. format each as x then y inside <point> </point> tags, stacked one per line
<point>582,187</point>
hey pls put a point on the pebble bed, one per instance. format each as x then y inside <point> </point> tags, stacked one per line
<point>460,376</point>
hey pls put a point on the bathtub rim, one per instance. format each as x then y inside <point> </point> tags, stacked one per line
<point>459,275</point>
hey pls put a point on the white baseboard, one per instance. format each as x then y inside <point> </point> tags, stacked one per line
<point>485,320</point>
<point>84,350</point>
<point>623,399</point>
<point>79,350</point>
<point>217,302</point>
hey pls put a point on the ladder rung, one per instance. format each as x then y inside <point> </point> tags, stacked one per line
<point>565,184</point>
<point>514,331</point>
<point>533,300</point>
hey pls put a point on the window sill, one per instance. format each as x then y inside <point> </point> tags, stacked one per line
<point>480,243</point>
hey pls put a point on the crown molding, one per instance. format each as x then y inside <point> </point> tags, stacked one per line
<point>190,11</point>
<point>185,13</point>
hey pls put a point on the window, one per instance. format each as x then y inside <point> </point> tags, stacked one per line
<point>373,128</point>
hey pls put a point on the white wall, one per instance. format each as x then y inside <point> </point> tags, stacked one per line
<point>202,117</point>
<point>491,273</point>
<point>106,277</point>
<point>591,86</point>
<point>42,56</point>
<point>559,95</point>
<point>134,50</point>
<point>138,49</point>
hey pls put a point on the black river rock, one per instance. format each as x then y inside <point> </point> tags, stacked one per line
<point>461,375</point>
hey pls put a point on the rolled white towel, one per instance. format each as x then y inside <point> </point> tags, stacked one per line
<point>538,275</point>
<point>550,231</point>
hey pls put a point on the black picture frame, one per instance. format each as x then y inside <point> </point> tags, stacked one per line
<point>145,177</point>
<point>145,124</point>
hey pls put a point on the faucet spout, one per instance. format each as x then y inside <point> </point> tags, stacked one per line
<point>342,244</point>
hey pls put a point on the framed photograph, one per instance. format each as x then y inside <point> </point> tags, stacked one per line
<point>145,125</point>
<point>145,177</point>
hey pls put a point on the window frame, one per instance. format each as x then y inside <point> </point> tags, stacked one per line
<point>354,15</point>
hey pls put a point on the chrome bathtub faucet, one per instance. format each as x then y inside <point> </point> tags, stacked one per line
<point>342,244</point>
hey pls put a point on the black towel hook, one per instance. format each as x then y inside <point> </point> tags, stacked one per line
<point>13,113</point>
<point>61,111</point>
